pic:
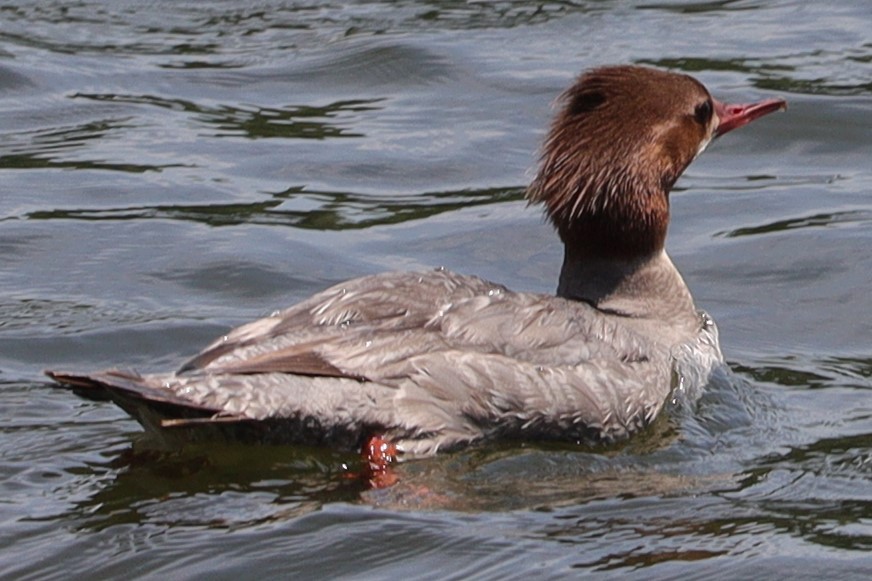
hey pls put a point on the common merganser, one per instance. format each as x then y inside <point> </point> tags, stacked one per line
<point>432,361</point>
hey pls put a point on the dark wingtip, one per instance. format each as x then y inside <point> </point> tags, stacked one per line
<point>82,385</point>
<point>70,379</point>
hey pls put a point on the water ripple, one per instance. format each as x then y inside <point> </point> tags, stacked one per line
<point>317,210</point>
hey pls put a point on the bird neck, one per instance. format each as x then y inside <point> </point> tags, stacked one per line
<point>648,287</point>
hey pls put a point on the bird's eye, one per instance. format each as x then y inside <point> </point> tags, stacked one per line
<point>703,112</point>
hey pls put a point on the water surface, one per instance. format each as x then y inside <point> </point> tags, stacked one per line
<point>171,169</point>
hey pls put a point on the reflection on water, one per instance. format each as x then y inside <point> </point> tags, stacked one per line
<point>42,149</point>
<point>323,210</point>
<point>227,488</point>
<point>330,140</point>
<point>819,220</point>
<point>301,122</point>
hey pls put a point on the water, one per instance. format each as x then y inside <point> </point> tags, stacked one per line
<point>171,169</point>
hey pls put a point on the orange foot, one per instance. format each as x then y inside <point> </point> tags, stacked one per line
<point>378,454</point>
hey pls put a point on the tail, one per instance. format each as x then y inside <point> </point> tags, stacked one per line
<point>153,407</point>
<point>163,413</point>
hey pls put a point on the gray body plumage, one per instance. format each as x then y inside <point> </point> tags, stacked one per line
<point>430,360</point>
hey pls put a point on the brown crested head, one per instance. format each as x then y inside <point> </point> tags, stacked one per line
<point>621,138</point>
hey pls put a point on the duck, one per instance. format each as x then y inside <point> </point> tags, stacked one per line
<point>408,364</point>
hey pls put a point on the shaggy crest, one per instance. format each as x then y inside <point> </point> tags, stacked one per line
<point>620,139</point>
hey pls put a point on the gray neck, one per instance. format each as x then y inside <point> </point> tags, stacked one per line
<point>647,288</point>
